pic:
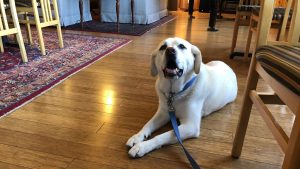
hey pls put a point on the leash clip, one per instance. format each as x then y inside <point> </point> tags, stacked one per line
<point>170,102</point>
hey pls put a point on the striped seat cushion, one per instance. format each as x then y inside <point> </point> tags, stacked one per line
<point>283,63</point>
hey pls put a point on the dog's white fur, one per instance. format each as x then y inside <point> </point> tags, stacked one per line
<point>215,86</point>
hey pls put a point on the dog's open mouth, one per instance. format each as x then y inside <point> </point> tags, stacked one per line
<point>172,73</point>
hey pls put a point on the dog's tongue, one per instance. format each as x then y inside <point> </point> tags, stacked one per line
<point>172,71</point>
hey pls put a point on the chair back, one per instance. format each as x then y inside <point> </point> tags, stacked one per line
<point>294,29</point>
<point>48,10</point>
<point>290,23</point>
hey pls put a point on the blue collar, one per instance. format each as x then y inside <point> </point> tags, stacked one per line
<point>186,86</point>
<point>171,96</point>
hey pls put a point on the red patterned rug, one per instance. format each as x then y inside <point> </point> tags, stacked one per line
<point>20,83</point>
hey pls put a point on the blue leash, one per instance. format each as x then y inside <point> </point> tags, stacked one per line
<point>176,131</point>
<point>175,125</point>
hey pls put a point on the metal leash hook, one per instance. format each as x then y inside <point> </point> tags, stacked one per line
<point>170,102</point>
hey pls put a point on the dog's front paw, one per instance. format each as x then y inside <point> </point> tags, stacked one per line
<point>135,139</point>
<point>139,149</point>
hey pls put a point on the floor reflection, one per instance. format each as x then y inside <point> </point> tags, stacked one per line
<point>108,100</point>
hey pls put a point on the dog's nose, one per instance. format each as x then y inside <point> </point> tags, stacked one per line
<point>171,53</point>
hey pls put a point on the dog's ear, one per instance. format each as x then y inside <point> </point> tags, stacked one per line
<point>198,58</point>
<point>154,71</point>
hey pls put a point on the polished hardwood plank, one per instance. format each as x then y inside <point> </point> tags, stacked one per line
<point>84,122</point>
<point>81,164</point>
<point>10,166</point>
<point>32,159</point>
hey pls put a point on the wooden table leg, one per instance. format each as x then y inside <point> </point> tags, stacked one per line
<point>132,12</point>
<point>191,9</point>
<point>118,12</point>
<point>100,12</point>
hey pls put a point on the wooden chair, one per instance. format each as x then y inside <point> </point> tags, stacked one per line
<point>6,30</point>
<point>48,18</point>
<point>277,63</point>
<point>242,18</point>
<point>277,19</point>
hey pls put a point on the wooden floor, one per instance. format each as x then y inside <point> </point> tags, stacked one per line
<point>85,121</point>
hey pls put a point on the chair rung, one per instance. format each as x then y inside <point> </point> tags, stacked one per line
<point>275,128</point>
<point>292,101</point>
<point>244,22</point>
<point>32,22</point>
<point>24,9</point>
<point>8,31</point>
<point>253,29</point>
<point>49,23</point>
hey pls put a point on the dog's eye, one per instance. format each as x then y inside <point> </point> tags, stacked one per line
<point>163,47</point>
<point>181,46</point>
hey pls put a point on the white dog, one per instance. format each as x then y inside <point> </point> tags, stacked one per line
<point>176,62</point>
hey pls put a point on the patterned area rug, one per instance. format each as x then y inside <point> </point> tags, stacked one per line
<point>124,29</point>
<point>21,82</point>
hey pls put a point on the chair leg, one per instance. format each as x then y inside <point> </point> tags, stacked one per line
<point>41,39</point>
<point>21,46</point>
<point>28,29</point>
<point>1,45</point>
<point>292,155</point>
<point>58,26</point>
<point>279,29</point>
<point>19,33</point>
<point>248,44</point>
<point>235,31</point>
<point>38,27</point>
<point>245,111</point>
<point>60,38</point>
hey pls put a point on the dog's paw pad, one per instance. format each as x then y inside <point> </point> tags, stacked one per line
<point>135,139</point>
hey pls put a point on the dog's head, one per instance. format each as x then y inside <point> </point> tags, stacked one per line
<point>175,57</point>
